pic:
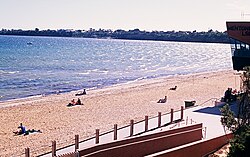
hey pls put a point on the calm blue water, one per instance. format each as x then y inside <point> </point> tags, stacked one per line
<point>66,64</point>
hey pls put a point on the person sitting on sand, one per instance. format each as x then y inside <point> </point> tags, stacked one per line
<point>78,102</point>
<point>163,100</point>
<point>84,92</point>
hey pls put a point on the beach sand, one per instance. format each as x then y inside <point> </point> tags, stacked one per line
<point>102,109</point>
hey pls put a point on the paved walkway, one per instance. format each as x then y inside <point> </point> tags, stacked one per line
<point>209,116</point>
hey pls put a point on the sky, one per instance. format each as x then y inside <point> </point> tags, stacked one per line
<point>149,15</point>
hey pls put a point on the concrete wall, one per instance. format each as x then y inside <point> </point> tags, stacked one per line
<point>148,144</point>
<point>198,149</point>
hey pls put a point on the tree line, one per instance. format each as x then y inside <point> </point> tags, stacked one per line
<point>210,36</point>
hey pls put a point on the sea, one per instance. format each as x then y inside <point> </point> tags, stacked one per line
<point>33,66</point>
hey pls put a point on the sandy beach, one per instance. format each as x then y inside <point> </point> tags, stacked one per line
<point>102,109</point>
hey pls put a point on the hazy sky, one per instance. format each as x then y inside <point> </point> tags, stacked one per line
<point>162,15</point>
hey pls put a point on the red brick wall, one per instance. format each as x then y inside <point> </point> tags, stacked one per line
<point>199,149</point>
<point>148,144</point>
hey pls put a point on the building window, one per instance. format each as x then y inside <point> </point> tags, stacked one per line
<point>247,46</point>
<point>238,46</point>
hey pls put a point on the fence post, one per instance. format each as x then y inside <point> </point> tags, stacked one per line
<point>53,148</point>
<point>146,123</point>
<point>159,119</point>
<point>76,142</point>
<point>131,127</point>
<point>77,153</point>
<point>182,112</point>
<point>97,136</point>
<point>205,134</point>
<point>27,152</point>
<point>115,132</point>
<point>172,116</point>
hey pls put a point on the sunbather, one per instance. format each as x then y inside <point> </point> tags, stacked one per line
<point>163,100</point>
<point>72,103</point>
<point>79,102</point>
<point>21,130</point>
<point>81,93</point>
<point>32,131</point>
<point>173,88</point>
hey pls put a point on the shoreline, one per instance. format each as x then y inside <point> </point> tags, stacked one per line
<point>102,109</point>
<point>96,89</point>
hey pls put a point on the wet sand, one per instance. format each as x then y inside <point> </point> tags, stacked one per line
<point>102,109</point>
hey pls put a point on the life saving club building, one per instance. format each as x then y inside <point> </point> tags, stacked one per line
<point>239,34</point>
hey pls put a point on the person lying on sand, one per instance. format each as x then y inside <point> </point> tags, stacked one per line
<point>72,103</point>
<point>32,131</point>
<point>173,88</point>
<point>163,100</point>
<point>81,93</point>
<point>23,131</point>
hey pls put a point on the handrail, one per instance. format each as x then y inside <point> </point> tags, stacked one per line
<point>104,133</point>
<point>211,99</point>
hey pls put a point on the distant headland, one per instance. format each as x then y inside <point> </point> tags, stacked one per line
<point>210,36</point>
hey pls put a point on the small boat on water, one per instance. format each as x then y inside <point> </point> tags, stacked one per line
<point>239,34</point>
<point>29,43</point>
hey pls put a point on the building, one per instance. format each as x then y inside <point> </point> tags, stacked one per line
<point>239,34</point>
